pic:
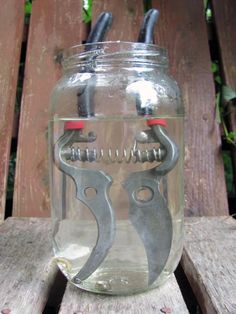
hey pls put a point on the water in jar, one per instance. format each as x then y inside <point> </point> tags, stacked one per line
<point>125,268</point>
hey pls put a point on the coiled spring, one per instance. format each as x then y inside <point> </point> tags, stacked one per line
<point>114,156</point>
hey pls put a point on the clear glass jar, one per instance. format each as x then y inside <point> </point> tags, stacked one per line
<point>116,152</point>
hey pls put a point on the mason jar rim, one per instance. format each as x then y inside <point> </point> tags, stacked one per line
<point>114,52</point>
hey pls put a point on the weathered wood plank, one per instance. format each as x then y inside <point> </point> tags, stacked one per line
<point>224,14</point>
<point>182,30</point>
<point>169,296</point>
<point>231,111</point>
<point>54,25</point>
<point>11,32</point>
<point>27,272</point>
<point>209,262</point>
<point>232,127</point>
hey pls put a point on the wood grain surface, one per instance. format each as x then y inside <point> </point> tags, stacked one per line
<point>209,262</point>
<point>11,32</point>
<point>27,271</point>
<point>224,14</point>
<point>54,25</point>
<point>168,296</point>
<point>182,30</point>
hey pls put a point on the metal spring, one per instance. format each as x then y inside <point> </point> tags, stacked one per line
<point>114,156</point>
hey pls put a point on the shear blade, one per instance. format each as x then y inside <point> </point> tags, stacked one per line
<point>100,205</point>
<point>151,219</point>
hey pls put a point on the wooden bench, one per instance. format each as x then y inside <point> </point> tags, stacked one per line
<point>29,278</point>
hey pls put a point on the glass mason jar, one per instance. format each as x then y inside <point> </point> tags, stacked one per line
<point>116,154</point>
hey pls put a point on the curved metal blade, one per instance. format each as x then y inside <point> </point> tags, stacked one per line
<point>151,216</point>
<point>151,219</point>
<point>99,203</point>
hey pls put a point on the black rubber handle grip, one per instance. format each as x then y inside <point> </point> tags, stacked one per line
<point>100,28</point>
<point>97,34</point>
<point>147,29</point>
<point>146,35</point>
